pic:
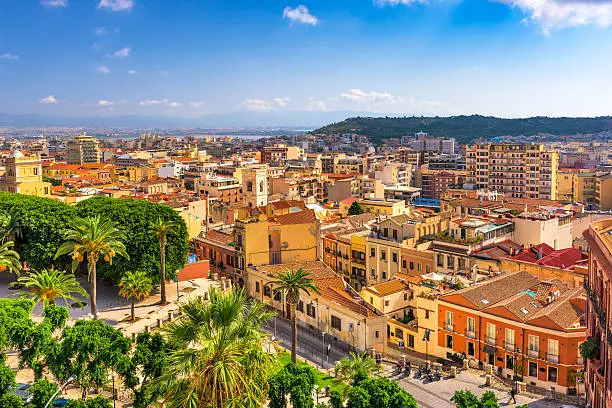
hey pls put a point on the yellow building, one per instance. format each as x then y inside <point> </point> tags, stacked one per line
<point>262,239</point>
<point>334,312</point>
<point>383,207</point>
<point>603,194</point>
<point>24,175</point>
<point>83,149</point>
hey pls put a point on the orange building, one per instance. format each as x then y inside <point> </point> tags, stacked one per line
<point>541,322</point>
<point>599,368</point>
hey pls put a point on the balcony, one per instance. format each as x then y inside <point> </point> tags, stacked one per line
<point>470,333</point>
<point>533,353</point>
<point>510,346</point>
<point>552,358</point>
<point>489,340</point>
<point>449,327</point>
<point>579,361</point>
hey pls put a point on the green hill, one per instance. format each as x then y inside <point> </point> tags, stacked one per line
<point>465,128</point>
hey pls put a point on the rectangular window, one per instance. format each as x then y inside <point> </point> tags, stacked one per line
<point>310,310</point>
<point>534,345</point>
<point>427,314</point>
<point>386,303</point>
<point>450,260</point>
<point>449,341</point>
<point>509,339</point>
<point>440,260</point>
<point>336,323</point>
<point>449,320</point>
<point>384,275</point>
<point>411,265</point>
<point>267,291</point>
<point>533,369</point>
<point>399,333</point>
<point>377,334</point>
<point>394,255</point>
<point>427,268</point>
<point>470,349</point>
<point>419,267</point>
<point>300,306</point>
<point>552,374</point>
<point>372,252</point>
<point>490,338</point>
<point>410,341</point>
<point>257,287</point>
<point>553,350</point>
<point>383,255</point>
<point>404,263</point>
<point>405,296</point>
<point>471,325</point>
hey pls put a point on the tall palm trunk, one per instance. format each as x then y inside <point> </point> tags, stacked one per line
<point>132,309</point>
<point>162,244</point>
<point>93,290</point>
<point>292,307</point>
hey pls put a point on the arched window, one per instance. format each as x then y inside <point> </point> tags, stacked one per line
<point>249,186</point>
<point>261,187</point>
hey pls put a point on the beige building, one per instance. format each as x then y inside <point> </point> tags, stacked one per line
<point>337,312</point>
<point>280,153</point>
<point>517,170</point>
<point>540,227</point>
<point>83,149</point>
<point>603,194</point>
<point>23,175</point>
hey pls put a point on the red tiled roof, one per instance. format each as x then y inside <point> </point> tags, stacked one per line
<point>300,217</point>
<point>220,237</point>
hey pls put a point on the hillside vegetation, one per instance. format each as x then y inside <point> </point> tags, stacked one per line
<point>466,128</point>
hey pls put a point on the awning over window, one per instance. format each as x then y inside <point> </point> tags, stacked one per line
<point>489,349</point>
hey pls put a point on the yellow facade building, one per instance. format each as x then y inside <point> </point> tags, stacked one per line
<point>23,175</point>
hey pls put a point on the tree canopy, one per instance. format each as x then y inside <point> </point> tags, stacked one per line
<point>464,128</point>
<point>43,222</point>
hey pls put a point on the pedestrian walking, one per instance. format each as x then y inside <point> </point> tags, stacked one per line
<point>512,396</point>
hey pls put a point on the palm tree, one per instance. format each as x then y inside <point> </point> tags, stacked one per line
<point>47,285</point>
<point>356,365</point>
<point>162,229</point>
<point>218,358</point>
<point>135,286</point>
<point>292,284</point>
<point>9,258</point>
<point>12,228</point>
<point>91,238</point>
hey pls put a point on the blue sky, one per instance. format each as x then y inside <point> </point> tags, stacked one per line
<point>192,57</point>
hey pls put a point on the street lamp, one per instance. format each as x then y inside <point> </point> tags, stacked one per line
<point>323,353</point>
<point>517,351</point>
<point>69,380</point>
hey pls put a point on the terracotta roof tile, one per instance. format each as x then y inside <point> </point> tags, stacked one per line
<point>300,217</point>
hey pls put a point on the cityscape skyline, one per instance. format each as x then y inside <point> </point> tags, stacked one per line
<point>127,57</point>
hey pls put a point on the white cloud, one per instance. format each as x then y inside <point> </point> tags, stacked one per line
<point>107,102</point>
<point>9,56</point>
<point>122,53</point>
<point>55,3</point>
<point>358,95</point>
<point>116,5</point>
<point>282,102</point>
<point>49,100</point>
<point>300,15</point>
<point>100,31</point>
<point>197,105</point>
<point>316,105</point>
<point>165,101</point>
<point>261,105</point>
<point>103,69</point>
<point>257,105</point>
<point>558,14</point>
<point>132,72</point>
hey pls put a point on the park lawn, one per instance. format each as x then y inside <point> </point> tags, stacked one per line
<point>322,379</point>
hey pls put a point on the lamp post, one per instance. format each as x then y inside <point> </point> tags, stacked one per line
<point>69,380</point>
<point>323,353</point>
<point>517,351</point>
<point>178,293</point>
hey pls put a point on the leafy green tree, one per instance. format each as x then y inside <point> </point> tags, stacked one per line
<point>148,363</point>
<point>135,286</point>
<point>91,238</point>
<point>402,400</point>
<point>356,365</point>
<point>465,399</point>
<point>40,392</point>
<point>278,388</point>
<point>47,285</point>
<point>12,312</point>
<point>41,224</point>
<point>589,349</point>
<point>54,182</point>
<point>90,350</point>
<point>36,341</point>
<point>11,401</point>
<point>97,402</point>
<point>292,284</point>
<point>7,379</point>
<point>218,358</point>
<point>9,259</point>
<point>162,229</point>
<point>355,209</point>
<point>136,218</point>
<point>336,399</point>
<point>357,398</point>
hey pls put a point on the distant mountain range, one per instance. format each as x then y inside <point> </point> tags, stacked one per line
<point>465,128</point>
<point>285,119</point>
